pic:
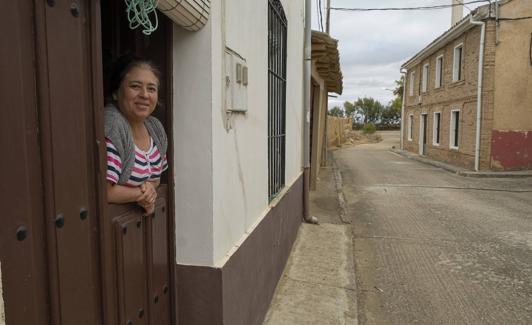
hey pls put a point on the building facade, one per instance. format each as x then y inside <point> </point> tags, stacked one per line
<point>238,205</point>
<point>326,77</point>
<point>450,116</point>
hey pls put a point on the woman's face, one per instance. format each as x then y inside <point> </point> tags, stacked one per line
<point>137,95</point>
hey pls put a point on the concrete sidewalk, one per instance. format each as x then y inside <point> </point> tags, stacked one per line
<point>462,171</point>
<point>318,284</point>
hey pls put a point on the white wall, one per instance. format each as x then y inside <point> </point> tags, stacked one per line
<point>241,153</point>
<point>193,145</point>
<point>222,172</point>
<point>294,89</point>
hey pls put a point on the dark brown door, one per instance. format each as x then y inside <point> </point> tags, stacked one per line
<point>66,256</point>
<point>52,268</point>
<point>22,235</point>
<point>65,90</point>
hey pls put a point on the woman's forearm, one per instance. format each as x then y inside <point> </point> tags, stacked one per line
<point>122,194</point>
<point>156,182</point>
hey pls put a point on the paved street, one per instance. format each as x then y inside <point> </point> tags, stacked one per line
<point>431,247</point>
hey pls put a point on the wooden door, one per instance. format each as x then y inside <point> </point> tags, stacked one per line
<point>52,271</point>
<point>65,257</point>
<point>22,234</point>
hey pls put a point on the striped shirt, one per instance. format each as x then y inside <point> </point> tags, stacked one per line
<point>148,164</point>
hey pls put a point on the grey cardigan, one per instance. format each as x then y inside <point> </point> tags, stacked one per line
<point>117,130</point>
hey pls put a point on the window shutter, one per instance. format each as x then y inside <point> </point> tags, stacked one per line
<point>190,14</point>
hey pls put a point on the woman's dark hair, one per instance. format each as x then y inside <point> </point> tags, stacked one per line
<point>122,66</point>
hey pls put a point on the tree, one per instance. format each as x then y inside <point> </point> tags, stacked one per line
<point>391,116</point>
<point>368,108</point>
<point>399,89</point>
<point>336,111</point>
<point>349,109</point>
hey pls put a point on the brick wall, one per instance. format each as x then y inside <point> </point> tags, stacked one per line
<point>461,95</point>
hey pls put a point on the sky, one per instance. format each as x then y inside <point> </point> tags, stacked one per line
<point>374,45</point>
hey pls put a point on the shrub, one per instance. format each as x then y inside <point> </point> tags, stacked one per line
<point>357,125</point>
<point>369,128</point>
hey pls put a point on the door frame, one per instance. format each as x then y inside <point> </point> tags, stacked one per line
<point>106,229</point>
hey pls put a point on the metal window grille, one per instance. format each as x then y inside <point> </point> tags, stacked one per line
<point>277,26</point>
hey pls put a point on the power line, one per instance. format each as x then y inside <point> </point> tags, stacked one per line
<point>408,8</point>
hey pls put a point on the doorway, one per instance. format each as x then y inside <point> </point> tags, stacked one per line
<point>68,257</point>
<point>138,268</point>
<point>423,135</point>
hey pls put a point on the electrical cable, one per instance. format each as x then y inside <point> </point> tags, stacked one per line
<point>463,4</point>
<point>409,8</point>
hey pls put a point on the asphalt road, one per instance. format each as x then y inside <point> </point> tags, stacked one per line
<point>431,247</point>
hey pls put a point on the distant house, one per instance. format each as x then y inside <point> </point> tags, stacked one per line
<point>468,94</point>
<point>326,77</point>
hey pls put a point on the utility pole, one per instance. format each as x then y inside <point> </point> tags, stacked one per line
<point>328,22</point>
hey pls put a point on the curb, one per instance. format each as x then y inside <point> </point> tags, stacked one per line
<point>462,171</point>
<point>338,184</point>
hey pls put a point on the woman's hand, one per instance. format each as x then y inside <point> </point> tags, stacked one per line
<point>149,194</point>
<point>149,209</point>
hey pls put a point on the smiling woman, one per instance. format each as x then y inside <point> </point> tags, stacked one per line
<point>136,141</point>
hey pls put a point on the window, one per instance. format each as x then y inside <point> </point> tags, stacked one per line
<point>457,62</point>
<point>436,129</point>
<point>410,126</point>
<point>412,82</point>
<point>425,79</point>
<point>276,97</point>
<point>439,72</point>
<point>454,129</point>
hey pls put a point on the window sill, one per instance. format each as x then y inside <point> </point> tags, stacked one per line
<point>457,83</point>
<point>453,148</point>
<point>436,144</point>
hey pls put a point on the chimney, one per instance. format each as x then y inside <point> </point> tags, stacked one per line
<point>458,12</point>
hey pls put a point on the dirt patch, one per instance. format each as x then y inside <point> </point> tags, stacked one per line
<point>355,137</point>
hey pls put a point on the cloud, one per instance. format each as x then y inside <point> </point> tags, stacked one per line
<point>373,45</point>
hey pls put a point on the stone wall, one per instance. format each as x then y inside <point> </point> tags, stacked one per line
<point>337,130</point>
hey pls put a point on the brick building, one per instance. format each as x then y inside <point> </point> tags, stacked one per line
<point>448,115</point>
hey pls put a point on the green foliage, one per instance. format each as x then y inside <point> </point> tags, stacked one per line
<point>391,116</point>
<point>369,128</point>
<point>399,89</point>
<point>349,109</point>
<point>366,109</point>
<point>336,111</point>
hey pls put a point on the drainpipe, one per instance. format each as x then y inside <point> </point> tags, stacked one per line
<point>307,60</point>
<point>479,88</point>
<point>403,71</point>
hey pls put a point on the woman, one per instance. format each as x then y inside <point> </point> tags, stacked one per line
<point>136,142</point>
